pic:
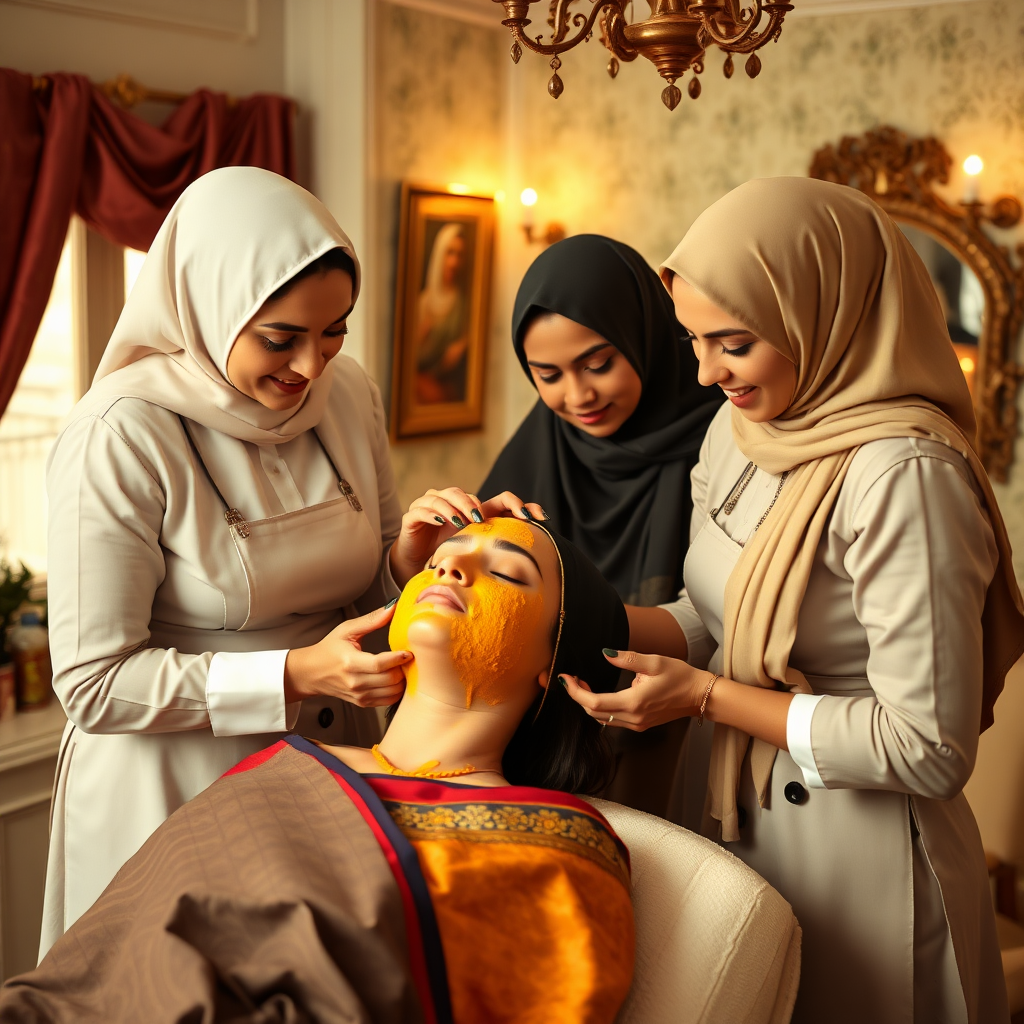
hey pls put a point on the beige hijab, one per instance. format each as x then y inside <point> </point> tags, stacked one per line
<point>232,238</point>
<point>824,275</point>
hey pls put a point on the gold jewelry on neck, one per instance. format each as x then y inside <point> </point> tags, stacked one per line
<point>425,770</point>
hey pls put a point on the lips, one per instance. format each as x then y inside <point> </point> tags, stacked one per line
<point>289,387</point>
<point>741,396</point>
<point>590,418</point>
<point>439,594</point>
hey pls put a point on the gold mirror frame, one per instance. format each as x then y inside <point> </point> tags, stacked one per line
<point>898,172</point>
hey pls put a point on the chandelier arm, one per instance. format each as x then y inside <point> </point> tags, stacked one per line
<point>587,24</point>
<point>749,38</point>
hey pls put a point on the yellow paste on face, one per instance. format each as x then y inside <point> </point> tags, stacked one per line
<point>489,641</point>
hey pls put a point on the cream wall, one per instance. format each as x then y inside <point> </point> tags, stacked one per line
<point>37,39</point>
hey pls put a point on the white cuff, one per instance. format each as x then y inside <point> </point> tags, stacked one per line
<point>798,736</point>
<point>245,693</point>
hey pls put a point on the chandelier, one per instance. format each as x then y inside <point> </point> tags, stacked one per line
<point>674,38</point>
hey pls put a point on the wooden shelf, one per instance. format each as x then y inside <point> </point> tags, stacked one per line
<point>31,736</point>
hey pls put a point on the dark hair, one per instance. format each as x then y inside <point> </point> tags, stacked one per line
<point>564,748</point>
<point>333,259</point>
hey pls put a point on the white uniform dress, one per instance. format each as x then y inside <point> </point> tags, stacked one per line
<point>866,831</point>
<point>169,630</point>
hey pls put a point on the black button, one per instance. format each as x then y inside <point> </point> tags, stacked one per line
<point>741,814</point>
<point>326,720</point>
<point>795,793</point>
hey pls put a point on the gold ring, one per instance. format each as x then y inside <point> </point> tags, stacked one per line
<point>611,718</point>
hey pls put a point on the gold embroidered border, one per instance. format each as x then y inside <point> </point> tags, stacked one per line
<point>545,826</point>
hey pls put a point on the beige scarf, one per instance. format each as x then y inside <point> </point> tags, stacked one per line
<point>824,276</point>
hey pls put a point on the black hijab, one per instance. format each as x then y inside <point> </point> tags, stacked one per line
<point>623,500</point>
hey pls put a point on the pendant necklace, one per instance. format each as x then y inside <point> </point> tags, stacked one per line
<point>425,770</point>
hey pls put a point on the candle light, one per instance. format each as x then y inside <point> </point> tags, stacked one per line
<point>973,166</point>
<point>528,197</point>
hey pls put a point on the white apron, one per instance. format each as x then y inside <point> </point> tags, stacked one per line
<point>112,791</point>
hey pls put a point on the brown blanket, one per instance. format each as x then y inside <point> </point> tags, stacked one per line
<point>267,898</point>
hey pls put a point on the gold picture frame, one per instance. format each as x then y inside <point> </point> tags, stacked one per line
<point>442,311</point>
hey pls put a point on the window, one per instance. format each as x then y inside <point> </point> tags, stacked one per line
<point>44,396</point>
<point>92,282</point>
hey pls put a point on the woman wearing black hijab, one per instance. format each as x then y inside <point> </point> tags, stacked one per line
<point>608,448</point>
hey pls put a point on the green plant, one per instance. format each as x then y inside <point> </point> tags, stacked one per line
<point>14,587</point>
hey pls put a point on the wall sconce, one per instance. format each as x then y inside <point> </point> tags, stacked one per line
<point>554,232</point>
<point>973,166</point>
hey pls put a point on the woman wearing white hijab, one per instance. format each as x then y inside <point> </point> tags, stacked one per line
<point>849,589</point>
<point>222,507</point>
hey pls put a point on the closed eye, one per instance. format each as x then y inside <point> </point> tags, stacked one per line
<point>741,351</point>
<point>276,346</point>
<point>339,333</point>
<point>549,378</point>
<point>509,579</point>
<point>603,368</point>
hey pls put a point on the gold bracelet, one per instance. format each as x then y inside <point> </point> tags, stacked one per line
<point>704,702</point>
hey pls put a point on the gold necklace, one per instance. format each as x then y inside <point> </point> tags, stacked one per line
<point>424,770</point>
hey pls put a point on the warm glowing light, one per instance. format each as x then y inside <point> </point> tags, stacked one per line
<point>458,188</point>
<point>528,197</point>
<point>499,196</point>
<point>967,364</point>
<point>973,165</point>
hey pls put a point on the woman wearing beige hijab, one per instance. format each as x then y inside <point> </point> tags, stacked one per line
<point>849,610</point>
<point>224,525</point>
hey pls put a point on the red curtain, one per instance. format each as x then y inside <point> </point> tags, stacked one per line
<point>69,149</point>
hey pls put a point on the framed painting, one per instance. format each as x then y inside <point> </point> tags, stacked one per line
<point>442,311</point>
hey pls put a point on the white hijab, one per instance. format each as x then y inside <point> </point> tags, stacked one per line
<point>233,237</point>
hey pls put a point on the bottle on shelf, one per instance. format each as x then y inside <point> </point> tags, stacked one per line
<point>29,646</point>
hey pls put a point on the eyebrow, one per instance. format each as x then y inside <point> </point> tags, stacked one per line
<point>728,332</point>
<point>499,544</point>
<point>579,359</point>
<point>297,329</point>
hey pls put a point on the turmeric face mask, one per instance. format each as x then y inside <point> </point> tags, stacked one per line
<point>503,625</point>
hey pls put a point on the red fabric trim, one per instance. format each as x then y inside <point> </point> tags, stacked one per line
<point>255,760</point>
<point>417,963</point>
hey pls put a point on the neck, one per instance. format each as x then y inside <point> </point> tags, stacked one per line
<point>430,725</point>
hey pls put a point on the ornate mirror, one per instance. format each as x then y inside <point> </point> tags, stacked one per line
<point>980,287</point>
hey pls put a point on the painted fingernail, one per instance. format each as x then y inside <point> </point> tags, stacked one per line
<point>564,681</point>
<point>391,603</point>
<point>459,524</point>
<point>609,653</point>
<point>526,512</point>
<point>476,517</point>
<point>543,513</point>
<point>439,519</point>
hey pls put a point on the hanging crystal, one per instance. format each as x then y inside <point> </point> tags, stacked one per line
<point>613,67</point>
<point>728,67</point>
<point>671,96</point>
<point>694,87</point>
<point>753,66</point>
<point>555,85</point>
<point>516,51</point>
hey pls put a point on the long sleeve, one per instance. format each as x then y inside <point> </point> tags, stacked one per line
<point>921,560</point>
<point>105,565</point>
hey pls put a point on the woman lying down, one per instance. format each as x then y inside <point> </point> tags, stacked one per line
<point>446,875</point>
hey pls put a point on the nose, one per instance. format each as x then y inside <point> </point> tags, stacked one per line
<point>308,360</point>
<point>455,567</point>
<point>578,393</point>
<point>710,370</point>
